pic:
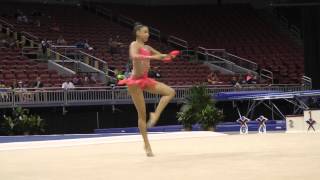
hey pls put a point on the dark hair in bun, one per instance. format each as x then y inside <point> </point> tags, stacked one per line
<point>137,26</point>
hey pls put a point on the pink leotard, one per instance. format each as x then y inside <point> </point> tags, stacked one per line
<point>143,81</point>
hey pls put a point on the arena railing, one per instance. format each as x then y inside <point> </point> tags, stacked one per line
<point>172,40</point>
<point>54,55</point>
<point>156,33</point>
<point>234,58</point>
<point>94,62</point>
<point>66,50</point>
<point>266,74</point>
<point>72,53</point>
<point>217,57</point>
<point>8,29</point>
<point>104,11</point>
<point>78,55</point>
<point>125,20</point>
<point>218,61</point>
<point>5,22</point>
<point>306,81</point>
<point>242,62</point>
<point>85,96</point>
<point>26,36</point>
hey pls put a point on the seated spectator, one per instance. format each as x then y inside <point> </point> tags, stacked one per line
<point>22,19</point>
<point>44,46</point>
<point>21,87</point>
<point>235,82</point>
<point>248,78</point>
<point>241,79</point>
<point>114,45</point>
<point>21,91</point>
<point>38,83</point>
<point>14,84</point>
<point>61,41</point>
<point>254,80</point>
<point>3,91</point>
<point>2,85</point>
<point>213,78</point>
<point>76,81</point>
<point>87,46</point>
<point>80,44</point>
<point>86,80</point>
<point>93,79</point>
<point>68,85</point>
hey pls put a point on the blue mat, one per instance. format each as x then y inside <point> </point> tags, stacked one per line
<point>247,95</point>
<point>272,125</point>
<point>170,128</point>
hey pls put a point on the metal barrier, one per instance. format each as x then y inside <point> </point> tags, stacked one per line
<point>104,11</point>
<point>306,81</point>
<point>266,74</point>
<point>6,23</point>
<point>94,61</point>
<point>221,62</point>
<point>222,53</point>
<point>86,96</point>
<point>30,36</point>
<point>125,20</point>
<point>6,96</point>
<point>220,57</point>
<point>241,61</point>
<point>70,51</point>
<point>155,32</point>
<point>54,55</point>
<point>178,42</point>
<point>232,62</point>
<point>235,59</point>
<point>27,51</point>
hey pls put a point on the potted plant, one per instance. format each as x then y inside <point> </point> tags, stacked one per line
<point>186,117</point>
<point>22,122</point>
<point>209,117</point>
<point>198,108</point>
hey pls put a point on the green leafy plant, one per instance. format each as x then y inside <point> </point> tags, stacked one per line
<point>186,117</point>
<point>199,108</point>
<point>22,122</point>
<point>210,116</point>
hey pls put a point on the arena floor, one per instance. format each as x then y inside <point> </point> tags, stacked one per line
<point>179,155</point>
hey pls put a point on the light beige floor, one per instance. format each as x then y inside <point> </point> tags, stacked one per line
<point>235,157</point>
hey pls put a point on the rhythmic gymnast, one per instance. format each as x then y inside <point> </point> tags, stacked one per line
<point>141,54</point>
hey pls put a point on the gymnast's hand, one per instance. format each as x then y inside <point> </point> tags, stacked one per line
<point>171,56</point>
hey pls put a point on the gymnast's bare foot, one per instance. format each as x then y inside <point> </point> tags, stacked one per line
<point>153,118</point>
<point>148,150</point>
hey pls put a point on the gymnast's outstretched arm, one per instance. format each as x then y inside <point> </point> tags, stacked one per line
<point>134,53</point>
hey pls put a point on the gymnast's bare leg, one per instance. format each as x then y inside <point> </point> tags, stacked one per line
<point>138,100</point>
<point>167,94</point>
